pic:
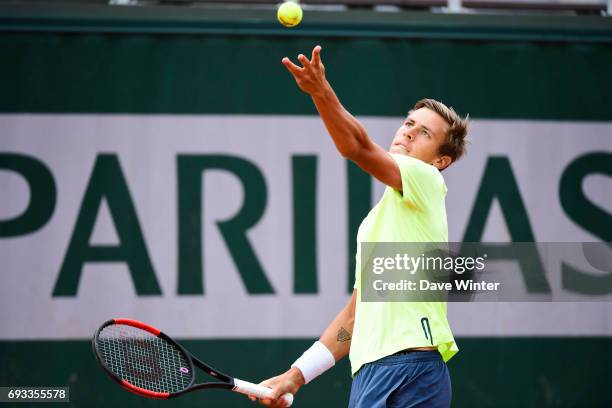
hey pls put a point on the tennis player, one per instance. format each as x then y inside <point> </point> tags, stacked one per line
<point>398,350</point>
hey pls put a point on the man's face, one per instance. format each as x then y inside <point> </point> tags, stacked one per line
<point>421,136</point>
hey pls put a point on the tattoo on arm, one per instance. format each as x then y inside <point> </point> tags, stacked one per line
<point>343,335</point>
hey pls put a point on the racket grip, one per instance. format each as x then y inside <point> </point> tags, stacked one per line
<point>248,388</point>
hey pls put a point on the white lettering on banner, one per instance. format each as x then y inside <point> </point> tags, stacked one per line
<point>147,149</point>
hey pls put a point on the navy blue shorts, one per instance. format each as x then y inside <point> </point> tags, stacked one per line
<point>410,380</point>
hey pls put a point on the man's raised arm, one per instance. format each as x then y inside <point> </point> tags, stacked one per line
<point>348,134</point>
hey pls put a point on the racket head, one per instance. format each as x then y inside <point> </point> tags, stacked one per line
<point>142,359</point>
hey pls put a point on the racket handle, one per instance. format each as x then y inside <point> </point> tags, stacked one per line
<point>248,388</point>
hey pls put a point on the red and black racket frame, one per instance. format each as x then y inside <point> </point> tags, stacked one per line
<point>227,384</point>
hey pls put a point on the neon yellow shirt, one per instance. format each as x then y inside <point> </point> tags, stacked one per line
<point>417,214</point>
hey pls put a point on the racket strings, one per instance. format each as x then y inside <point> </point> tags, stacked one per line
<point>143,359</point>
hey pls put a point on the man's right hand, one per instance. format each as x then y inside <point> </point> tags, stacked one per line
<point>290,381</point>
<point>310,77</point>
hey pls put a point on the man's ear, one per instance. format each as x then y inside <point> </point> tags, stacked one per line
<point>442,162</point>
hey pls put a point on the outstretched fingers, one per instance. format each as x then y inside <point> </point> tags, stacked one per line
<point>305,63</point>
<point>294,69</point>
<point>308,74</point>
<point>316,55</point>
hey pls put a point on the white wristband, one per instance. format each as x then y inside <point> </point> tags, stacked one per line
<point>315,361</point>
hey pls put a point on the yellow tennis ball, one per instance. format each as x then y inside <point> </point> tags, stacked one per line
<point>289,14</point>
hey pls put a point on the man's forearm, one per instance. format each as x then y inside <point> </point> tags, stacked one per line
<point>337,337</point>
<point>347,132</point>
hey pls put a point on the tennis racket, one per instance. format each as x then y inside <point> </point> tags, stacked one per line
<point>149,363</point>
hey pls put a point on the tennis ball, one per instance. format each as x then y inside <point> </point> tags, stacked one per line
<point>289,14</point>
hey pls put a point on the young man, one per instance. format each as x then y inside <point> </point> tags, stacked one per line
<point>397,350</point>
